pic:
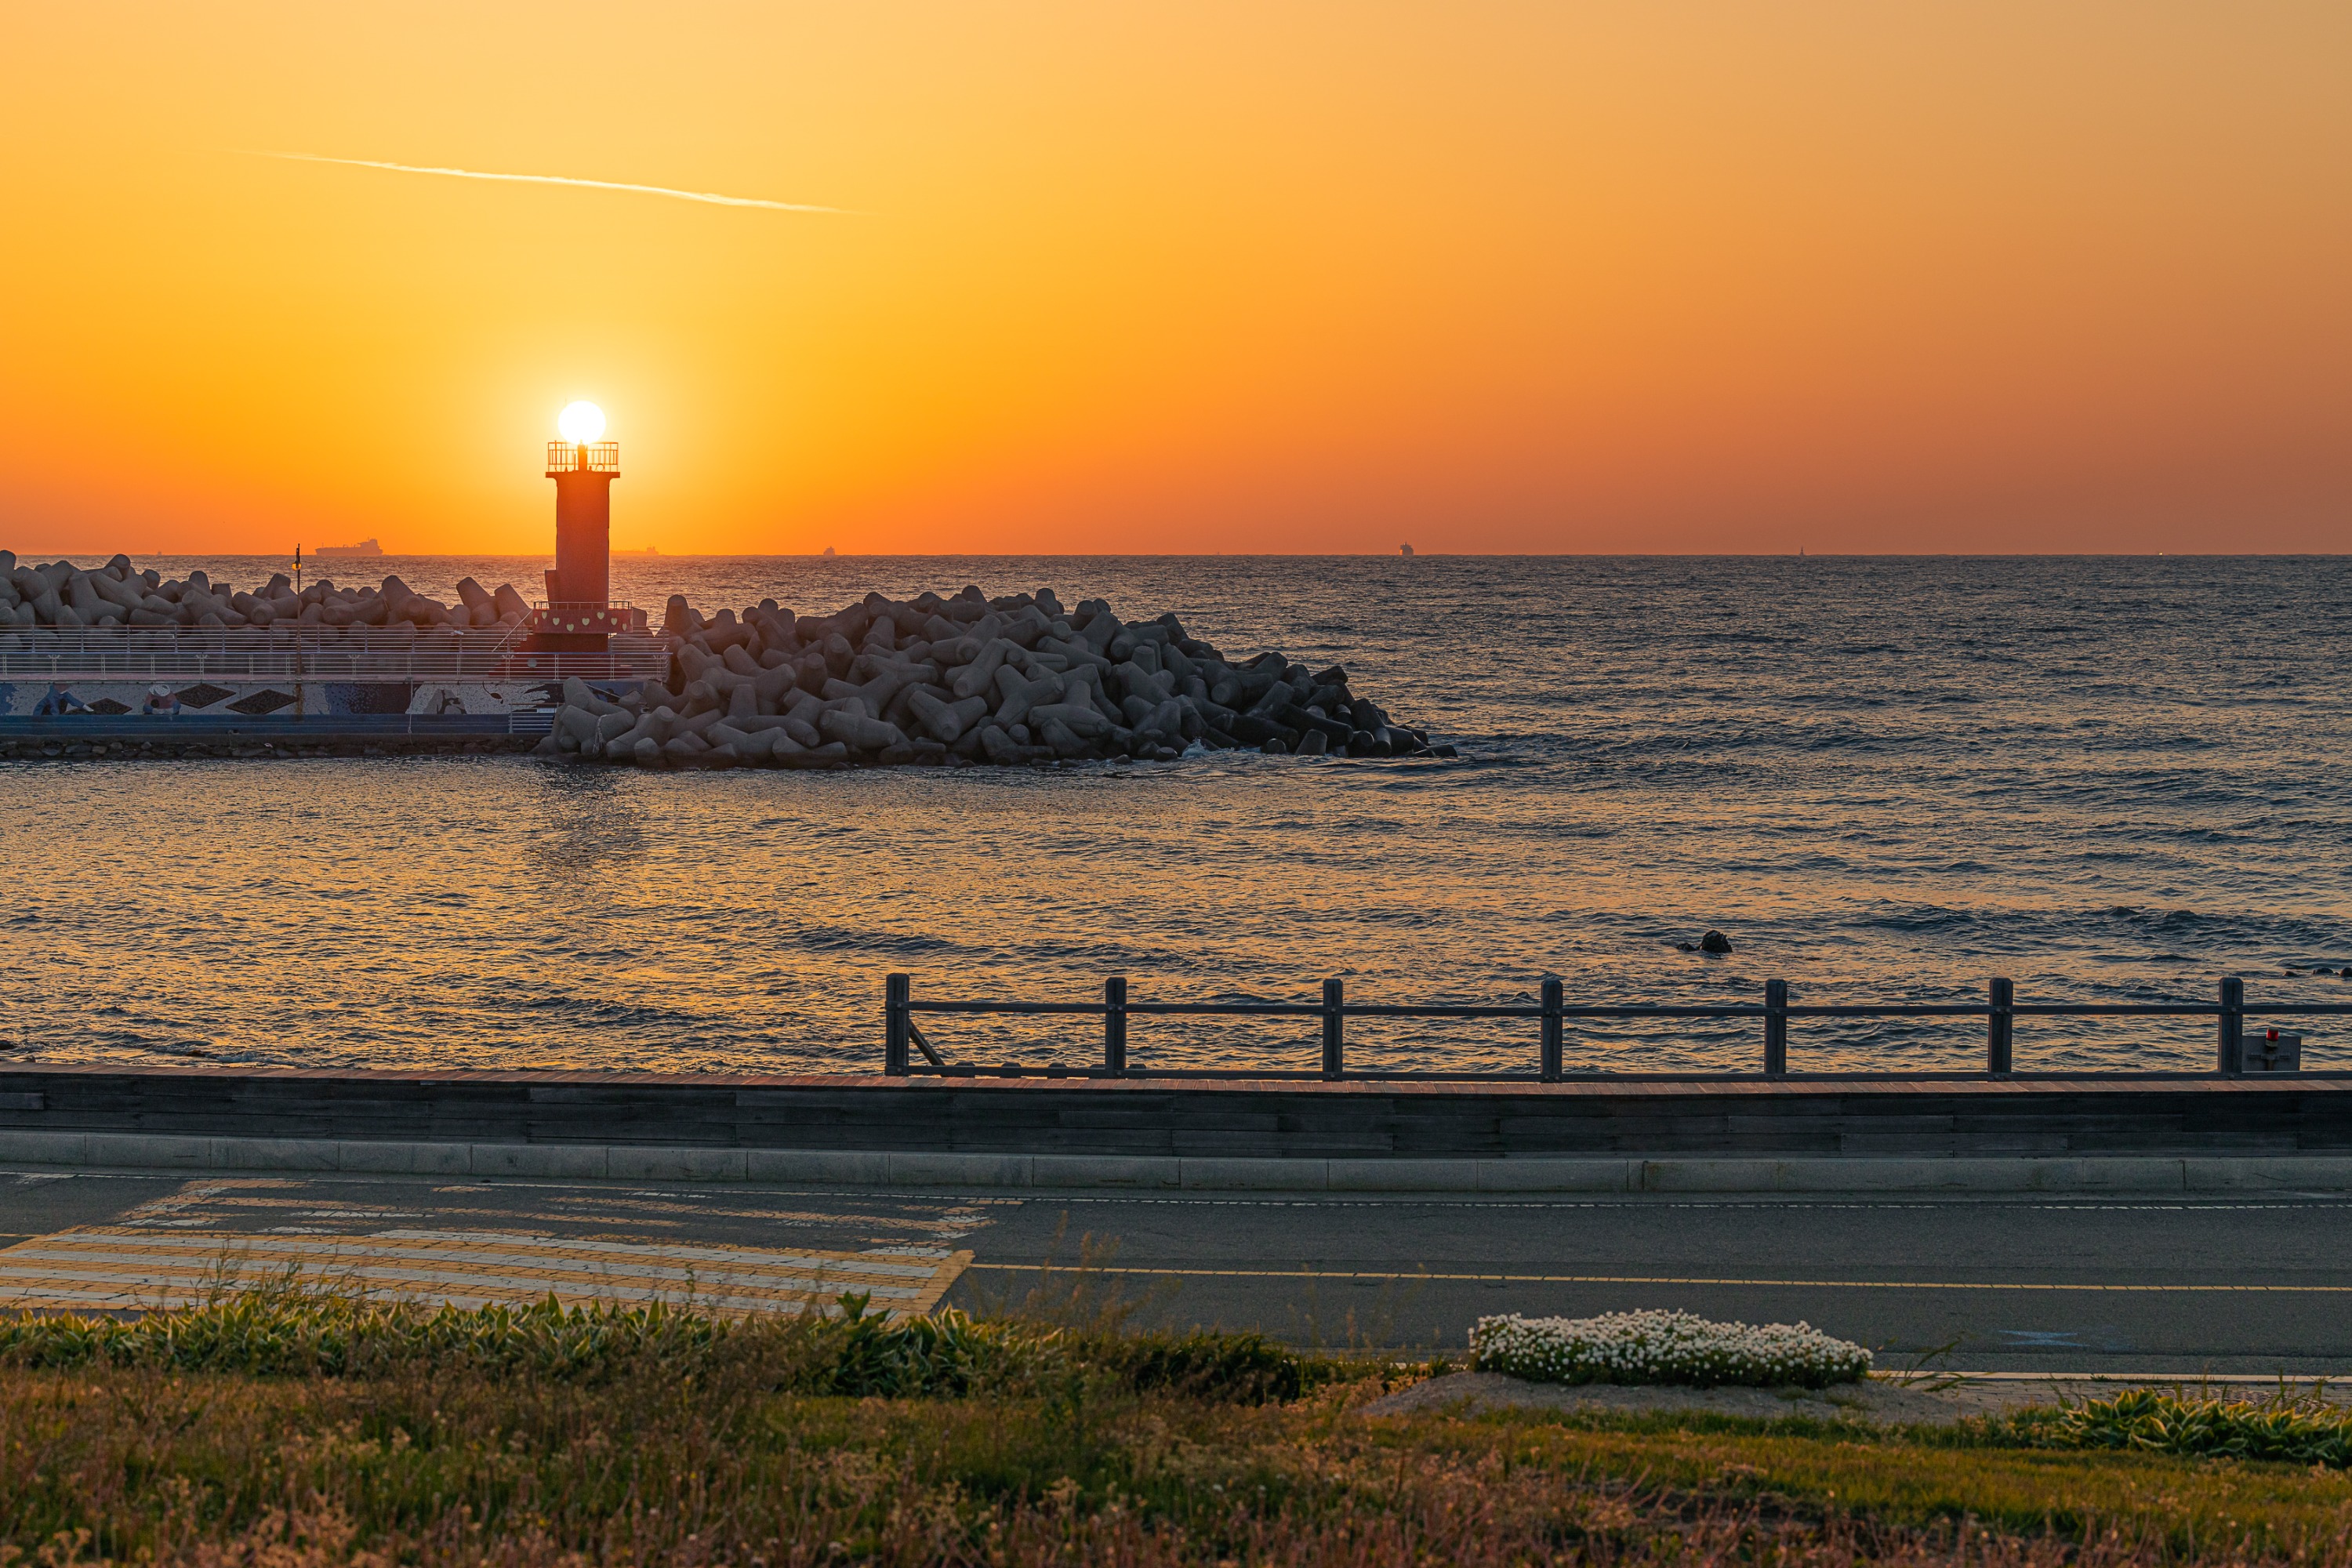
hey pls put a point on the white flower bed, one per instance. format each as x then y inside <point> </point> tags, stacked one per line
<point>1664,1347</point>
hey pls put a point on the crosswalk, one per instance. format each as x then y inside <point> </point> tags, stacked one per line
<point>472,1247</point>
<point>116,1269</point>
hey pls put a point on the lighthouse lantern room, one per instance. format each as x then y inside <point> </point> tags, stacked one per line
<point>580,615</point>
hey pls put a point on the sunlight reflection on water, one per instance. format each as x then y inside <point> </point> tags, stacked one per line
<point>2112,780</point>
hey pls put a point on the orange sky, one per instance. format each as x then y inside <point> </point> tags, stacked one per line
<point>1224,275</point>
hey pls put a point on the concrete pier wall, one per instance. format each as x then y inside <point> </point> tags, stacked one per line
<point>1787,1119</point>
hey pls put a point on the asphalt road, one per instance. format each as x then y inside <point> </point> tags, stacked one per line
<point>2258,1285</point>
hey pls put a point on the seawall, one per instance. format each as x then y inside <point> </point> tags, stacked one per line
<point>1794,1134</point>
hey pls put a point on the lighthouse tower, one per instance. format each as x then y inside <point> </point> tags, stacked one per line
<point>579,614</point>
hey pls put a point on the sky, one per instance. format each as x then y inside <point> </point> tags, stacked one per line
<point>1222,276</point>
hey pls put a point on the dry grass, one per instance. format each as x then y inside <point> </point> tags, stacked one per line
<point>692,1448</point>
<point>139,1464</point>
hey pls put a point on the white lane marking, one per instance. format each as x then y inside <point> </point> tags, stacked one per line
<point>650,1249</point>
<point>573,1270</point>
<point>488,1247</point>
<point>1408,1275</point>
<point>787,1287</point>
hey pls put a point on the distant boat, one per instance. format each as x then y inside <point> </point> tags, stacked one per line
<point>828,550</point>
<point>1408,550</point>
<point>364,547</point>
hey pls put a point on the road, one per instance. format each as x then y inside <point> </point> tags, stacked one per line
<point>2256,1285</point>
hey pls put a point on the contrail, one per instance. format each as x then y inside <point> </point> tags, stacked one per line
<point>710,196</point>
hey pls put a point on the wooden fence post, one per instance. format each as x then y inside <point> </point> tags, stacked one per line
<point>1115,1026</point>
<point>2231,1051</point>
<point>897,1015</point>
<point>1334,1030</point>
<point>1550,1063</point>
<point>1998,1025</point>
<point>1776,1028</point>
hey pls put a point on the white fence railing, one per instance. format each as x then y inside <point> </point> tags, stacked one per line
<point>353,654</point>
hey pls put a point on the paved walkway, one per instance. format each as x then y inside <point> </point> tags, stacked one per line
<point>2254,1286</point>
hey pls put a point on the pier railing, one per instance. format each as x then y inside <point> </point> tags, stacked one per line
<point>2235,1054</point>
<point>312,654</point>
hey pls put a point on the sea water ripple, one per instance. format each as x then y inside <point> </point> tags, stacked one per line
<point>2111,779</point>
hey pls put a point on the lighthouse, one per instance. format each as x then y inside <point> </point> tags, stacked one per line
<point>579,614</point>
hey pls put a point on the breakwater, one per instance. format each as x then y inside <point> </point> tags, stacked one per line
<point>60,595</point>
<point>1010,679</point>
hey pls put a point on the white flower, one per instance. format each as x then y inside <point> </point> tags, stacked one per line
<point>1664,1347</point>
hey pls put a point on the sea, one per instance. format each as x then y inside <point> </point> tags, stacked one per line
<point>1885,780</point>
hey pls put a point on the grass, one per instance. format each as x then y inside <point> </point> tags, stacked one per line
<point>284,1429</point>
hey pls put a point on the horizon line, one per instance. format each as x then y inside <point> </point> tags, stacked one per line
<point>652,552</point>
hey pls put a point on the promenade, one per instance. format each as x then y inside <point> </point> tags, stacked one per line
<point>2243,1284</point>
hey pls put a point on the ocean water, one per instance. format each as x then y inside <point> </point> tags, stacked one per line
<point>1884,778</point>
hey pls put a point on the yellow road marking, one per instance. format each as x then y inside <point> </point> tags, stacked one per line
<point>1669,1279</point>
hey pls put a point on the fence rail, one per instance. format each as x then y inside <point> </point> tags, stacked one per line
<point>2000,1010</point>
<point>349,653</point>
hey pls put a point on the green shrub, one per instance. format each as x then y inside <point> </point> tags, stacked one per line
<point>1236,1368</point>
<point>946,1353</point>
<point>2163,1423</point>
<point>287,1330</point>
<point>283,1333</point>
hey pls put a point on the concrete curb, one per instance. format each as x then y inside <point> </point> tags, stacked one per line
<point>1617,1173</point>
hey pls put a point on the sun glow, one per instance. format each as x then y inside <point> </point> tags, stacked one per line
<point>581,423</point>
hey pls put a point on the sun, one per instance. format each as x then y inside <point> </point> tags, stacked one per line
<point>581,423</point>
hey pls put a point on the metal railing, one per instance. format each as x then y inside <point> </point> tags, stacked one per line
<point>314,653</point>
<point>582,457</point>
<point>2000,1010</point>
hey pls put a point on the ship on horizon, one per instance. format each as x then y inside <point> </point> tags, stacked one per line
<point>364,547</point>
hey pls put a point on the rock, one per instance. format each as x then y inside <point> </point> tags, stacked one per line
<point>1714,941</point>
<point>1079,718</point>
<point>1060,739</point>
<point>1299,719</point>
<point>860,733</point>
<point>978,675</point>
<point>939,719</point>
<point>577,723</point>
<point>1166,721</point>
<point>1021,695</point>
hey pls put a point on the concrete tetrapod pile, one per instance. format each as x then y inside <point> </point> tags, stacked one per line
<point>64,597</point>
<point>970,678</point>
